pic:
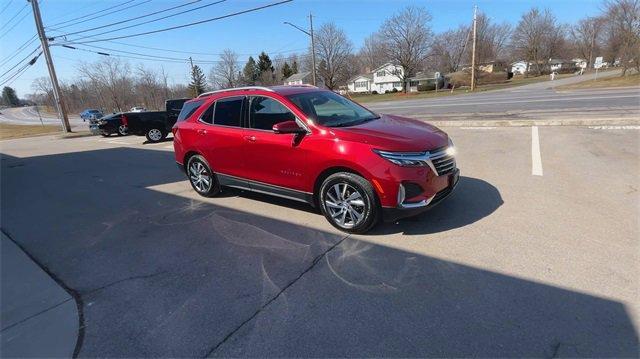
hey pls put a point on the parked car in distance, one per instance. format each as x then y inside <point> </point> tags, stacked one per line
<point>88,114</point>
<point>155,125</point>
<point>315,146</point>
<point>110,124</point>
<point>137,109</point>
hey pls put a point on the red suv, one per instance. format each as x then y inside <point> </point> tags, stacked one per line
<point>315,146</point>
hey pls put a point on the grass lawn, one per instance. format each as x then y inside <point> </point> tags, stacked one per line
<point>616,81</point>
<point>516,81</point>
<point>8,131</point>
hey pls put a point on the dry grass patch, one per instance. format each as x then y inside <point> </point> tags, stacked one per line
<point>616,81</point>
<point>8,131</point>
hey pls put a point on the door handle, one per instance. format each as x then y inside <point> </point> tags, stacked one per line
<point>202,132</point>
<point>250,138</point>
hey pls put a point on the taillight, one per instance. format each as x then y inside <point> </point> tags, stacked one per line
<point>124,120</point>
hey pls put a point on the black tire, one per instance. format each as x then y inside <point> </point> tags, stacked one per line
<point>193,173</point>
<point>155,135</point>
<point>334,202</point>
<point>122,130</point>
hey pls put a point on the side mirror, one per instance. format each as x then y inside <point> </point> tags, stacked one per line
<point>287,127</point>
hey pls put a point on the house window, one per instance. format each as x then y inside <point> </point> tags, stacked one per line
<point>414,83</point>
<point>380,73</point>
<point>397,84</point>
<point>396,72</point>
<point>361,84</point>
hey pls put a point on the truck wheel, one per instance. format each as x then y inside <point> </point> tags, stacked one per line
<point>155,135</point>
<point>123,130</point>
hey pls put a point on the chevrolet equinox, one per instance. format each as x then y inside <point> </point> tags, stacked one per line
<point>313,145</point>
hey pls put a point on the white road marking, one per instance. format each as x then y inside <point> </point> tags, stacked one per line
<point>169,147</point>
<point>614,127</point>
<point>536,158</point>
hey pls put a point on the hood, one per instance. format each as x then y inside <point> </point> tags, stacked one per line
<point>395,133</point>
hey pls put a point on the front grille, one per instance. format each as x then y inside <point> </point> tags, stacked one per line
<point>442,162</point>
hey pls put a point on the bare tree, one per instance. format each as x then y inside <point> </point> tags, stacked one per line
<point>623,25</point>
<point>491,39</point>
<point>449,49</point>
<point>225,73</point>
<point>112,77</point>
<point>333,50</point>
<point>585,35</point>
<point>538,38</point>
<point>372,53</point>
<point>407,39</point>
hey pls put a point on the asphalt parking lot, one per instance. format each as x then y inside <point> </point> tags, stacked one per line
<point>535,254</point>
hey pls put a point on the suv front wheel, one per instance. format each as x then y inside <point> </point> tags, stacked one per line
<point>349,202</point>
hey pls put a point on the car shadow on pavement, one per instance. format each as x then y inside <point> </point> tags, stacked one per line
<point>472,200</point>
<point>161,274</point>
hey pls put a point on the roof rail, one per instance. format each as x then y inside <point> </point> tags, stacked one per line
<point>246,88</point>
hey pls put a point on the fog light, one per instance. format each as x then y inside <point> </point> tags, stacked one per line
<point>401,194</point>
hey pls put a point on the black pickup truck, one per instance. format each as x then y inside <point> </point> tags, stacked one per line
<point>156,125</point>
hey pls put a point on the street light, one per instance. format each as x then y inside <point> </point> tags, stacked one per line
<point>313,45</point>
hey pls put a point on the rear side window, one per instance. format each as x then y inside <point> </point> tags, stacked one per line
<point>228,111</point>
<point>188,109</point>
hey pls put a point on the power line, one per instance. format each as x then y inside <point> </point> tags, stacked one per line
<point>14,16</point>
<point>142,16</point>
<point>19,62</point>
<point>97,12</point>
<point>99,16</point>
<point>21,70</point>
<point>6,6</point>
<point>14,25</point>
<point>134,53</point>
<point>188,24</point>
<point>19,49</point>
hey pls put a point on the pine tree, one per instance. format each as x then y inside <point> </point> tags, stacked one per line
<point>250,71</point>
<point>198,83</point>
<point>294,67</point>
<point>265,69</point>
<point>9,97</point>
<point>286,70</point>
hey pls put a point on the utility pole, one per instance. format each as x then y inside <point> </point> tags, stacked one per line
<point>57,94</point>
<point>473,53</point>
<point>313,50</point>
<point>195,87</point>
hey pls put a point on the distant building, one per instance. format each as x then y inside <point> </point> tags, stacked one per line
<point>387,77</point>
<point>428,79</point>
<point>580,63</point>
<point>301,78</point>
<point>519,67</point>
<point>360,84</point>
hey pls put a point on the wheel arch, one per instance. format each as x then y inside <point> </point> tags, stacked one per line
<point>325,174</point>
<point>187,156</point>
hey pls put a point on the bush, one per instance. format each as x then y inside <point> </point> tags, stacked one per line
<point>427,87</point>
<point>394,90</point>
<point>374,92</point>
<point>386,91</point>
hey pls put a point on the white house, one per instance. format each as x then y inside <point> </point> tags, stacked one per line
<point>387,77</point>
<point>300,78</point>
<point>360,84</point>
<point>519,67</point>
<point>580,63</point>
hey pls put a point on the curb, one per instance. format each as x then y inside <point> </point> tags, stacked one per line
<point>540,122</point>
<point>41,317</point>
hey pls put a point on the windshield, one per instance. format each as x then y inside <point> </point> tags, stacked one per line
<point>330,109</point>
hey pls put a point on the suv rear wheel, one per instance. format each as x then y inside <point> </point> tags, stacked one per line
<point>123,130</point>
<point>349,202</point>
<point>202,179</point>
<point>155,135</point>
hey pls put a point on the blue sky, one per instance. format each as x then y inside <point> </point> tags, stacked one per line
<point>245,34</point>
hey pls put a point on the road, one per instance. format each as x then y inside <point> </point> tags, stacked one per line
<point>534,255</point>
<point>534,101</point>
<point>30,116</point>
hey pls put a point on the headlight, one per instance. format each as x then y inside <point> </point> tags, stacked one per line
<point>406,159</point>
<point>451,149</point>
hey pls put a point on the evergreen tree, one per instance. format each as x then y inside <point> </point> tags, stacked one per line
<point>294,67</point>
<point>264,63</point>
<point>250,72</point>
<point>9,97</point>
<point>286,70</point>
<point>198,83</point>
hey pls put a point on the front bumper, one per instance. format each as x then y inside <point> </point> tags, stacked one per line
<point>390,214</point>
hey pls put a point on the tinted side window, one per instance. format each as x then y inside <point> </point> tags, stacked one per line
<point>266,112</point>
<point>188,109</point>
<point>228,111</point>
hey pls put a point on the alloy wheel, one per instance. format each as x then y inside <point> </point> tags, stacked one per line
<point>345,205</point>
<point>155,134</point>
<point>122,129</point>
<point>200,176</point>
